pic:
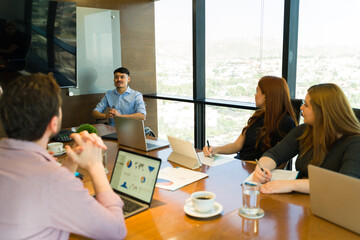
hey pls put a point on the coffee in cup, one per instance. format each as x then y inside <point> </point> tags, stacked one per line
<point>56,147</point>
<point>202,201</point>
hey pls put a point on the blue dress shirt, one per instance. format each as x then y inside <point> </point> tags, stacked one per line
<point>129,102</point>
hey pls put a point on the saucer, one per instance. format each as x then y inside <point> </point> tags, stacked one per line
<point>189,210</point>
<point>259,215</point>
<point>60,153</point>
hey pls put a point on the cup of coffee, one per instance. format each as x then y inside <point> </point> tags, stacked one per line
<point>202,201</point>
<point>56,147</point>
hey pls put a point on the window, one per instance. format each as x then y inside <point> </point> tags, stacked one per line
<point>243,43</point>
<point>173,33</point>
<point>176,119</point>
<point>329,47</point>
<point>224,124</point>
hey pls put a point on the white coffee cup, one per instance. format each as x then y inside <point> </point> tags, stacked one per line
<point>202,201</point>
<point>56,147</point>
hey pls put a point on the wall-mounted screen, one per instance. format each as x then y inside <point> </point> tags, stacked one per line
<point>46,33</point>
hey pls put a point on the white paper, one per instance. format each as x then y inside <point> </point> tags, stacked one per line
<point>176,178</point>
<point>278,174</point>
<point>216,160</point>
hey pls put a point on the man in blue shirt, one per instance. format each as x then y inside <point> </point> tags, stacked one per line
<point>122,101</point>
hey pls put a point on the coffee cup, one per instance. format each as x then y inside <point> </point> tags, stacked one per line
<point>56,147</point>
<point>202,201</point>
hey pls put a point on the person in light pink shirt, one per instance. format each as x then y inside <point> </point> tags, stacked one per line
<point>40,199</point>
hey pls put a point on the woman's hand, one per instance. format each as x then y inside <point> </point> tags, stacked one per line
<point>260,176</point>
<point>277,186</point>
<point>208,151</point>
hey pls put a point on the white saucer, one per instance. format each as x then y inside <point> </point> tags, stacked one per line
<point>60,153</point>
<point>189,210</point>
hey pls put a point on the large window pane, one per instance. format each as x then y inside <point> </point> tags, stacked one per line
<point>173,33</point>
<point>329,46</point>
<point>176,119</point>
<point>224,125</point>
<point>243,43</point>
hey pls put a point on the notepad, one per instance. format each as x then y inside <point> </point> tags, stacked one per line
<point>216,160</point>
<point>278,174</point>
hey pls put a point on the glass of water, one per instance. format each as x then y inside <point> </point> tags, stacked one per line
<point>251,200</point>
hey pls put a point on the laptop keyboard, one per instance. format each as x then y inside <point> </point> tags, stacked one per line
<point>130,206</point>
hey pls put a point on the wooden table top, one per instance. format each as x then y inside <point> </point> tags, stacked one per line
<point>287,216</point>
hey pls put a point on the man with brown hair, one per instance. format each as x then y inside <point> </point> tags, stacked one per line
<point>40,199</point>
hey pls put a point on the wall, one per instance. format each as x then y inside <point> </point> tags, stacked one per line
<point>138,55</point>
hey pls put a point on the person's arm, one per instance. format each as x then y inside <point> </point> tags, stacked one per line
<point>72,209</point>
<point>286,186</point>
<point>97,113</point>
<point>226,149</point>
<point>350,160</point>
<point>139,116</point>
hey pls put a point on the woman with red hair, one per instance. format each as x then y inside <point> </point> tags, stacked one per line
<point>267,126</point>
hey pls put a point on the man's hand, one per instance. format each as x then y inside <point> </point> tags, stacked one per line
<point>87,152</point>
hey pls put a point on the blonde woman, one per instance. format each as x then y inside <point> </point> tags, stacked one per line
<point>329,138</point>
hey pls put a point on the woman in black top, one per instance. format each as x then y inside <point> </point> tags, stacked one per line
<point>267,126</point>
<point>330,138</point>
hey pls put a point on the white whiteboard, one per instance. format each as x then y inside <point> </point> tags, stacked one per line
<point>98,49</point>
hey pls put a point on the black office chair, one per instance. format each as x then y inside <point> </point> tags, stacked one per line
<point>357,113</point>
<point>296,103</point>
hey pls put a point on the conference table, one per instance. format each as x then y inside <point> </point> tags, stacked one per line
<point>287,216</point>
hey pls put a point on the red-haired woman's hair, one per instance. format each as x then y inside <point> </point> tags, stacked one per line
<point>277,105</point>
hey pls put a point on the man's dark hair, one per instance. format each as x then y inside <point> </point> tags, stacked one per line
<point>122,70</point>
<point>28,104</point>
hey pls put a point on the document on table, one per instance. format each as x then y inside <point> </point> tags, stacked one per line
<point>215,160</point>
<point>278,174</point>
<point>174,178</point>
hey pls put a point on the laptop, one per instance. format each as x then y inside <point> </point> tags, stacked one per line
<point>130,132</point>
<point>183,153</point>
<point>133,178</point>
<point>335,197</point>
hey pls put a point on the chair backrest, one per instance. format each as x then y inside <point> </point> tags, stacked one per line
<point>296,103</point>
<point>357,113</point>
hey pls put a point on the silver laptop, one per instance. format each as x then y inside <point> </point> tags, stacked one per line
<point>335,197</point>
<point>134,177</point>
<point>183,153</point>
<point>130,133</point>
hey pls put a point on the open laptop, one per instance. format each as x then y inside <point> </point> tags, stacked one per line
<point>130,133</point>
<point>335,197</point>
<point>133,178</point>
<point>183,153</point>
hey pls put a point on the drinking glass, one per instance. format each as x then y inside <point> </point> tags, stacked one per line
<point>251,200</point>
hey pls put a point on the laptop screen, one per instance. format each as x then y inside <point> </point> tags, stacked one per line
<point>135,175</point>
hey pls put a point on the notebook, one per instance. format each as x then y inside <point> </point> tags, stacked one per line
<point>183,153</point>
<point>335,197</point>
<point>134,178</point>
<point>130,133</point>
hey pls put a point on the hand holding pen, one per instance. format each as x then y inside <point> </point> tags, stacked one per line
<point>261,174</point>
<point>207,150</point>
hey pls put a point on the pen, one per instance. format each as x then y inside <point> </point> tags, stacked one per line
<point>259,165</point>
<point>208,144</point>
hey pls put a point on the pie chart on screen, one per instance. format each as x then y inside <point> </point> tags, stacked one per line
<point>129,164</point>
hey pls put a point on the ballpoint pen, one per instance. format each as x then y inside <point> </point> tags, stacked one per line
<point>208,144</point>
<point>257,162</point>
